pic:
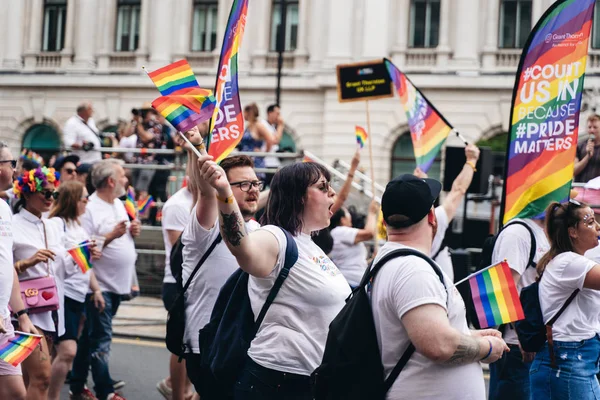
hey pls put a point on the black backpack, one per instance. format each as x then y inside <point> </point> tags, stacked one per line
<point>176,260</point>
<point>351,367</point>
<point>225,340</point>
<point>486,260</point>
<point>176,316</point>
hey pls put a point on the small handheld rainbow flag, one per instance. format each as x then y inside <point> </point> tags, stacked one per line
<point>174,77</point>
<point>144,205</point>
<point>495,296</point>
<point>82,256</point>
<point>19,347</point>
<point>361,136</point>
<point>186,108</point>
<point>130,205</point>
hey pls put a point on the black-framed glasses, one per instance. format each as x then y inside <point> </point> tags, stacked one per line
<point>13,163</point>
<point>50,194</point>
<point>324,187</point>
<point>246,185</point>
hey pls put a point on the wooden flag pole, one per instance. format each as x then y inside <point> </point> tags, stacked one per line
<point>369,141</point>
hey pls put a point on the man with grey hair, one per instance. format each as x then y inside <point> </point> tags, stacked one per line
<point>7,169</point>
<point>105,216</point>
<point>81,134</point>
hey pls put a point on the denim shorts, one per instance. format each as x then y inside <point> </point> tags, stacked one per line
<point>574,376</point>
<point>74,310</point>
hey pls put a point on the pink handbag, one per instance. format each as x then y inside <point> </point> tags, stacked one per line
<point>39,294</point>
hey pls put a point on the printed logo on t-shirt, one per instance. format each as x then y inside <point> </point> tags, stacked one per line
<point>326,265</point>
<point>5,228</point>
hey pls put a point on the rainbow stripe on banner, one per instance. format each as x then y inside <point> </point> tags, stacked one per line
<point>186,108</point>
<point>82,255</point>
<point>19,347</point>
<point>428,128</point>
<point>144,205</point>
<point>227,123</point>
<point>546,102</point>
<point>495,296</point>
<point>130,205</point>
<point>361,136</point>
<point>173,77</point>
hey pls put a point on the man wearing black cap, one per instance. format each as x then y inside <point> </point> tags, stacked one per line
<point>411,305</point>
<point>67,166</point>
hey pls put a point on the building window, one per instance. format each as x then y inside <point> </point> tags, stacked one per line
<point>596,27</point>
<point>515,23</point>
<point>128,25</point>
<point>291,24</point>
<point>204,29</point>
<point>55,15</point>
<point>403,159</point>
<point>424,23</point>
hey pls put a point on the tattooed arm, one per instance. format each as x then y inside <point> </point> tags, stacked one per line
<point>429,330</point>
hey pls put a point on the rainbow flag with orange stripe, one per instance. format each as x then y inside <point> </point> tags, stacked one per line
<point>174,77</point>
<point>495,296</point>
<point>186,108</point>
<point>82,255</point>
<point>19,347</point>
<point>546,102</point>
<point>130,205</point>
<point>428,128</point>
<point>227,123</point>
<point>145,204</point>
<point>361,136</point>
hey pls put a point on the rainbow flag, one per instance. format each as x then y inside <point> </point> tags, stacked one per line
<point>544,123</point>
<point>82,256</point>
<point>227,123</point>
<point>173,77</point>
<point>361,136</point>
<point>186,108</point>
<point>428,128</point>
<point>495,296</point>
<point>130,205</point>
<point>144,205</point>
<point>19,347</point>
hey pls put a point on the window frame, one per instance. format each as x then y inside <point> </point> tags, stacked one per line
<point>211,10</point>
<point>518,27</point>
<point>427,44</point>
<point>289,38</point>
<point>134,28</point>
<point>405,139</point>
<point>60,7</point>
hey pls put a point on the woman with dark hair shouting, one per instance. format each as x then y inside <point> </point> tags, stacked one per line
<point>567,365</point>
<point>290,342</point>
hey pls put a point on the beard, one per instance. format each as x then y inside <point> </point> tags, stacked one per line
<point>120,191</point>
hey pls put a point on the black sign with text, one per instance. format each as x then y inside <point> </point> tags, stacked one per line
<point>363,81</point>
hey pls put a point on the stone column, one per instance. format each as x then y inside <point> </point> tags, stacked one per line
<point>301,52</point>
<point>339,34</point>
<point>401,45</point>
<point>185,14</point>
<point>13,40</point>
<point>67,51</point>
<point>161,35</point>
<point>443,49</point>
<point>34,42</point>
<point>107,40</point>
<point>142,50</point>
<point>85,36</point>
<point>375,29</point>
<point>261,35</point>
<point>492,23</point>
<point>465,37</point>
<point>537,9</point>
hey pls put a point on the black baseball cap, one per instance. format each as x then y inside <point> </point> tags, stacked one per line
<point>60,161</point>
<point>409,196</point>
<point>84,168</point>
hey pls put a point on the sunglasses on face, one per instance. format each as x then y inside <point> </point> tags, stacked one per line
<point>70,171</point>
<point>246,185</point>
<point>13,163</point>
<point>49,194</point>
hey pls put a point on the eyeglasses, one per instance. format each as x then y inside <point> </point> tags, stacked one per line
<point>50,194</point>
<point>84,198</point>
<point>245,185</point>
<point>13,163</point>
<point>324,187</point>
<point>70,171</point>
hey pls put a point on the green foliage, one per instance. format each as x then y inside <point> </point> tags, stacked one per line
<point>496,143</point>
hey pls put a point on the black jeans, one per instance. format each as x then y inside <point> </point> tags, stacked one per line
<point>260,383</point>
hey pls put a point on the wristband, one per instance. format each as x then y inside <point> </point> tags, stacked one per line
<point>226,200</point>
<point>23,311</point>
<point>472,165</point>
<point>489,352</point>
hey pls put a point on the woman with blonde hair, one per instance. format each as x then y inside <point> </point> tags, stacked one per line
<point>68,207</point>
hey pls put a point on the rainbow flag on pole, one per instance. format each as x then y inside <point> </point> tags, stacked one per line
<point>82,255</point>
<point>186,108</point>
<point>495,296</point>
<point>130,205</point>
<point>145,204</point>
<point>361,136</point>
<point>19,347</point>
<point>174,77</point>
<point>544,123</point>
<point>227,123</point>
<point>428,128</point>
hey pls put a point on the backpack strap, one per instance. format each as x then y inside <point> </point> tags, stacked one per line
<point>291,256</point>
<point>202,260</point>
<point>530,262</point>
<point>552,321</point>
<point>373,271</point>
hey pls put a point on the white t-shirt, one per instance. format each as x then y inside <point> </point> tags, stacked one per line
<point>350,258</point>
<point>292,336</point>
<point>129,142</point>
<point>271,162</point>
<point>594,254</point>
<point>175,216</point>
<point>114,269</point>
<point>514,245</point>
<point>28,235</point>
<point>202,294</point>
<point>6,258</point>
<point>580,320</point>
<point>76,132</point>
<point>403,284</point>
<point>443,258</point>
<point>76,282</point>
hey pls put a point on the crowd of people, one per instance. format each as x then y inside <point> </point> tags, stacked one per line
<point>212,221</point>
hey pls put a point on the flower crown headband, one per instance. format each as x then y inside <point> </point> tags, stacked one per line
<point>35,180</point>
<point>32,156</point>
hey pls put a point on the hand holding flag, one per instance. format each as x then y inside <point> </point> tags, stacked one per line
<point>19,347</point>
<point>82,255</point>
<point>130,204</point>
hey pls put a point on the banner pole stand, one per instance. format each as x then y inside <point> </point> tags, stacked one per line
<point>369,141</point>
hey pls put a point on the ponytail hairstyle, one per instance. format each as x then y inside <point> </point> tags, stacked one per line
<point>559,218</point>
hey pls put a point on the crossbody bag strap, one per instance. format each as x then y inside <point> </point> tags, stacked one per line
<point>291,256</point>
<point>46,245</point>
<point>202,260</point>
<point>551,322</point>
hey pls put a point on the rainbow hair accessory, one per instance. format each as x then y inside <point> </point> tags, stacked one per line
<point>32,156</point>
<point>34,181</point>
